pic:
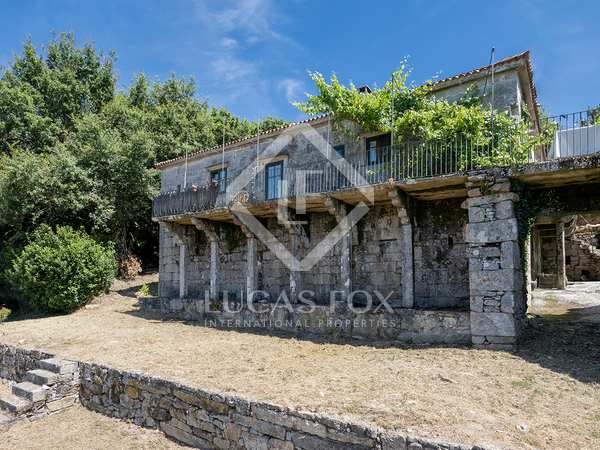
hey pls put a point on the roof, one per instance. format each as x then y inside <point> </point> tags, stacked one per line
<point>438,84</point>
<point>523,58</point>
<point>238,142</point>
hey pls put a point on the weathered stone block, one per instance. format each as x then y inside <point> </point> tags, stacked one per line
<point>495,198</point>
<point>489,232</point>
<point>185,437</point>
<point>391,441</point>
<point>511,255</point>
<point>493,324</point>
<point>495,280</point>
<point>505,210</point>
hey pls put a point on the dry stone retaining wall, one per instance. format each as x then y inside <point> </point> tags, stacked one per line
<point>210,420</point>
<point>15,362</point>
<point>19,365</point>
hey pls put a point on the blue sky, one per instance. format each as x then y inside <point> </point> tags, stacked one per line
<point>252,56</point>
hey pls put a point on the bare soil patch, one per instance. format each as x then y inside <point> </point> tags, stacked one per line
<point>545,395</point>
<point>78,427</point>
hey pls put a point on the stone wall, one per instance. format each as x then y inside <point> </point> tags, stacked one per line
<point>212,420</point>
<point>402,325</point>
<point>507,92</point>
<point>15,362</point>
<point>582,252</point>
<point>440,252</point>
<point>60,393</point>
<point>441,263</point>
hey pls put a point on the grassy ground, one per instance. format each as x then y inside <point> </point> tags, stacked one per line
<point>79,428</point>
<point>546,395</point>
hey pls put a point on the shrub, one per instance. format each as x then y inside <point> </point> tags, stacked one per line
<point>129,267</point>
<point>60,270</point>
<point>4,313</point>
<point>144,291</point>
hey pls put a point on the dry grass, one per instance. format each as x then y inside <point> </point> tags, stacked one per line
<point>546,395</point>
<point>79,428</point>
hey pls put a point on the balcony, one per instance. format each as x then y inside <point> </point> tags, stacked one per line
<point>575,134</point>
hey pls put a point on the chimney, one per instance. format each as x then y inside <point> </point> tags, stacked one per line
<point>364,89</point>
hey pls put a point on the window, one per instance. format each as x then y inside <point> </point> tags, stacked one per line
<point>273,177</point>
<point>340,150</point>
<point>378,149</point>
<point>219,177</point>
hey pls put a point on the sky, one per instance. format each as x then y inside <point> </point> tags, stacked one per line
<point>253,56</point>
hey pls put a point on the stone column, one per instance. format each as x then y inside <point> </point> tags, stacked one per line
<point>212,234</point>
<point>405,239</point>
<point>179,231</point>
<point>182,280</point>
<point>251,257</point>
<point>251,265</point>
<point>495,274</point>
<point>339,211</point>
<point>295,232</point>
<point>561,271</point>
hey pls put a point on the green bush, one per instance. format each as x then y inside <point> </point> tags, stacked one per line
<point>4,313</point>
<point>60,270</point>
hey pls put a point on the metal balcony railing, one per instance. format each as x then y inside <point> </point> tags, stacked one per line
<point>184,202</point>
<point>575,134</point>
<point>570,135</point>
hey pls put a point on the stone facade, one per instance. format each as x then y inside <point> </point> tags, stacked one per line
<point>416,245</point>
<point>441,275</point>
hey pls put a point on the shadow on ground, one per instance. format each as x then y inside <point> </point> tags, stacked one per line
<point>564,344</point>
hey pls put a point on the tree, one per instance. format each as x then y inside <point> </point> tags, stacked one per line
<point>80,153</point>
<point>52,89</point>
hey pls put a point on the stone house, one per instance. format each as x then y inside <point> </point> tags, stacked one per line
<point>438,244</point>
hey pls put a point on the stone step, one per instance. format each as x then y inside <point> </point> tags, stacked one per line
<point>41,377</point>
<point>14,404</point>
<point>30,391</point>
<point>59,366</point>
<point>6,417</point>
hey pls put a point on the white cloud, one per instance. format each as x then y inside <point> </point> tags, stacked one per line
<point>292,88</point>
<point>230,68</point>
<point>246,57</point>
<point>251,19</point>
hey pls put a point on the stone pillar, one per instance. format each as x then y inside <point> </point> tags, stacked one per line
<point>561,271</point>
<point>179,231</point>
<point>346,264</point>
<point>212,234</point>
<point>182,280</point>
<point>251,265</point>
<point>251,257</point>
<point>495,274</point>
<point>295,232</point>
<point>405,238</point>
<point>339,211</point>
